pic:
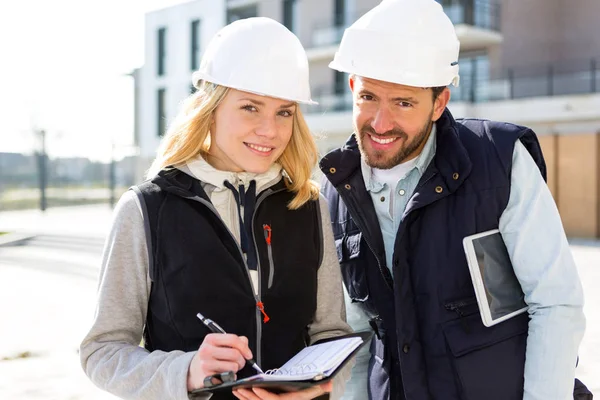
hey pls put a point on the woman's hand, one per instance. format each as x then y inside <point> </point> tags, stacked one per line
<point>219,352</point>
<point>261,394</point>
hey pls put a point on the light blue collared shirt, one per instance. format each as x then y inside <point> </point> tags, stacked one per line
<point>536,242</point>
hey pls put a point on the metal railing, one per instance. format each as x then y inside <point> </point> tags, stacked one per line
<point>557,79</point>
<point>326,32</point>
<point>483,14</point>
<point>329,101</point>
<point>554,79</point>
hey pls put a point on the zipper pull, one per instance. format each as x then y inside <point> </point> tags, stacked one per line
<point>457,309</point>
<point>261,307</point>
<point>267,230</point>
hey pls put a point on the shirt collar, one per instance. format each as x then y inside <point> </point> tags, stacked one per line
<point>200,169</point>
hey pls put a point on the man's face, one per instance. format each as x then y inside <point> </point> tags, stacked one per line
<point>392,122</point>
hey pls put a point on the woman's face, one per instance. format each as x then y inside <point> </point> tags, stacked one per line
<point>249,132</point>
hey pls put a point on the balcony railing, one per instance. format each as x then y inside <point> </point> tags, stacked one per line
<point>329,101</point>
<point>568,78</point>
<point>556,79</point>
<point>482,14</point>
<point>327,33</point>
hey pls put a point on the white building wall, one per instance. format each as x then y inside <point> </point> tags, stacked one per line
<point>177,77</point>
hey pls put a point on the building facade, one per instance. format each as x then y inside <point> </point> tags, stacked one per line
<point>174,40</point>
<point>534,62</point>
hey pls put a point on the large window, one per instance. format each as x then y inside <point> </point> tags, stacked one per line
<point>240,13</point>
<point>339,16</point>
<point>195,44</point>
<point>161,51</point>
<point>289,14</point>
<point>161,112</point>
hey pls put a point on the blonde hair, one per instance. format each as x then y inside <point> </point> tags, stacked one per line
<point>189,135</point>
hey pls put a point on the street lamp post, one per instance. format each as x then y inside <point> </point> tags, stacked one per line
<point>112,177</point>
<point>42,169</point>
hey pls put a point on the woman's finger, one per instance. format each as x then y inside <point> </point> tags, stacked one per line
<point>227,354</point>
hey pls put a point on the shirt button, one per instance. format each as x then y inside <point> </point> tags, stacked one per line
<point>401,192</point>
<point>405,348</point>
<point>382,198</point>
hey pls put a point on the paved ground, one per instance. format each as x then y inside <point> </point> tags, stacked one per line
<point>47,291</point>
<point>47,295</point>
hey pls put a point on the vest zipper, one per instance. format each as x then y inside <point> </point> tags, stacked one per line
<point>260,306</point>
<point>361,228</point>
<point>267,231</point>
<point>386,277</point>
<point>260,309</point>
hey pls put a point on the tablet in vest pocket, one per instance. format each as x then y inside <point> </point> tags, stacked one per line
<point>498,291</point>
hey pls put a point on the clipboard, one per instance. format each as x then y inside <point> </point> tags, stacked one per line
<point>286,385</point>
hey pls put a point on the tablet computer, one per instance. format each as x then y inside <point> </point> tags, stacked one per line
<point>497,288</point>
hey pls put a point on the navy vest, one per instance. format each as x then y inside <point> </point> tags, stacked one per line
<point>431,341</point>
<point>197,266</point>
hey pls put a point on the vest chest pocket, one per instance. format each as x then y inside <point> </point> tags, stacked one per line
<point>353,268</point>
<point>488,363</point>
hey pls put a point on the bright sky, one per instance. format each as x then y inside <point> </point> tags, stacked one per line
<point>63,66</point>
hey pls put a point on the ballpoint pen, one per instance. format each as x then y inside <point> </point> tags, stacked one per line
<point>215,328</point>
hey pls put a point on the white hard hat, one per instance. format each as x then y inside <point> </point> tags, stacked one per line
<point>257,55</point>
<point>410,42</point>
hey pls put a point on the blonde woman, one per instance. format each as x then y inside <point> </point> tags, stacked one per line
<point>229,225</point>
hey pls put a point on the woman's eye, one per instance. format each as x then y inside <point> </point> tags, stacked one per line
<point>249,108</point>
<point>286,113</point>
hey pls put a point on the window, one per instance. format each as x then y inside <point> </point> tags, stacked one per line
<point>288,14</point>
<point>340,82</point>
<point>161,50</point>
<point>195,45</point>
<point>339,13</point>
<point>161,112</point>
<point>240,13</point>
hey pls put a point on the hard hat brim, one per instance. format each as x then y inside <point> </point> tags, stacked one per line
<point>198,76</point>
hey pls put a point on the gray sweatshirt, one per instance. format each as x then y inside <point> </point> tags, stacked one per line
<point>111,354</point>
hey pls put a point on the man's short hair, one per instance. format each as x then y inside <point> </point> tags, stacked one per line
<point>436,91</point>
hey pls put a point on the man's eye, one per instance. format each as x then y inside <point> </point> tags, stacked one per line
<point>366,97</point>
<point>405,104</point>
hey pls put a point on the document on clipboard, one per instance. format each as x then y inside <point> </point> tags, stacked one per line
<point>313,365</point>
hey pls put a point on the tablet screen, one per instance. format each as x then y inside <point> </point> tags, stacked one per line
<point>503,291</point>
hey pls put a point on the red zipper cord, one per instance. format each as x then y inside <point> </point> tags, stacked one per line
<point>261,307</point>
<point>267,229</point>
<point>260,304</point>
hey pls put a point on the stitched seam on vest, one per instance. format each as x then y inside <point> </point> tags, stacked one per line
<point>147,231</point>
<point>490,142</point>
<point>320,233</point>
<point>158,220</point>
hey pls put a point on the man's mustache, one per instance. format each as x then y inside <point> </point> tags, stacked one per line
<point>367,129</point>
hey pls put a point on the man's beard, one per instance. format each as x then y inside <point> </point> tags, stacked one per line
<point>386,159</point>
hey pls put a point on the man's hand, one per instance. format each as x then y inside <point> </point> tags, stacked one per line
<point>219,352</point>
<point>261,394</point>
